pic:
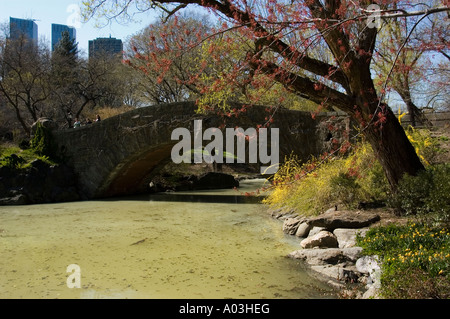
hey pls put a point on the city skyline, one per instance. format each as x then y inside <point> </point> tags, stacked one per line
<point>46,13</point>
<point>29,28</point>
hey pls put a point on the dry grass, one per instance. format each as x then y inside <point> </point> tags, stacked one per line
<point>107,112</point>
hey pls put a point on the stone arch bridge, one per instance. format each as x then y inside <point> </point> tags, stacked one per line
<point>120,155</point>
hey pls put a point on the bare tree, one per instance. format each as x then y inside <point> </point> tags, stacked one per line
<point>24,71</point>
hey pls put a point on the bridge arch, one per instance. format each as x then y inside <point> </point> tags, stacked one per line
<point>119,155</point>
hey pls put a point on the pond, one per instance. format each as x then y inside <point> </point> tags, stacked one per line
<point>194,245</point>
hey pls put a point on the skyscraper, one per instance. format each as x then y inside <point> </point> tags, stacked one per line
<point>109,46</point>
<point>27,28</point>
<point>58,29</point>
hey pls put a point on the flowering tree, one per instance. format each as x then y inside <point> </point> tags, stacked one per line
<point>284,38</point>
<point>419,75</point>
<point>165,66</point>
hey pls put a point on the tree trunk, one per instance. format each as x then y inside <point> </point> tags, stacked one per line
<point>393,149</point>
<point>414,112</point>
<point>25,127</point>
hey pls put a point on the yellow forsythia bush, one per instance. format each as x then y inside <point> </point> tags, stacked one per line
<point>318,185</point>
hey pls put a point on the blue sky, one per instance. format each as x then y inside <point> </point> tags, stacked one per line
<point>47,12</point>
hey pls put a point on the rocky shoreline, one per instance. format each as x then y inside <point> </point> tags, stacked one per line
<point>328,248</point>
<point>39,183</point>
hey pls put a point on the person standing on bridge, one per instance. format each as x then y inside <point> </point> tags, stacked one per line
<point>77,123</point>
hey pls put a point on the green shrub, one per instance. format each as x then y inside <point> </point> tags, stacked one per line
<point>426,195</point>
<point>12,161</point>
<point>13,157</point>
<point>42,142</point>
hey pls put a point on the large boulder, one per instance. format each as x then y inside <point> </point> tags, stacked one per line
<point>315,230</point>
<point>323,239</point>
<point>329,256</point>
<point>303,230</point>
<point>335,263</point>
<point>347,237</point>
<point>344,219</point>
<point>369,265</point>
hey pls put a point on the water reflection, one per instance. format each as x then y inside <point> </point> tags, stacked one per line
<point>202,198</point>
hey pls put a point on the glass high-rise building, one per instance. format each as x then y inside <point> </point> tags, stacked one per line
<point>23,27</point>
<point>58,29</point>
<point>109,46</point>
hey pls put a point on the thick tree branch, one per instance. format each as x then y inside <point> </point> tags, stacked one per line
<point>314,91</point>
<point>272,42</point>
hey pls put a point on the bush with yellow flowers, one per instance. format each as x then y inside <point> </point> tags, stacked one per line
<point>427,147</point>
<point>357,177</point>
<point>321,183</point>
<point>415,260</point>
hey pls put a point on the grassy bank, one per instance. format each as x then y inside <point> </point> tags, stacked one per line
<point>15,157</point>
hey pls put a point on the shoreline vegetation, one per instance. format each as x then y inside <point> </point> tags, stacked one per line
<point>408,248</point>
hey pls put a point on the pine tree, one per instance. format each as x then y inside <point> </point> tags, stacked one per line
<point>65,75</point>
<point>66,49</point>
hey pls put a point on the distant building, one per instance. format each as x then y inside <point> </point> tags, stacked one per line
<point>109,46</point>
<point>23,27</point>
<point>58,29</point>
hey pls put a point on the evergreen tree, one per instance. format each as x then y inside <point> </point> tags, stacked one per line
<point>66,49</point>
<point>65,76</point>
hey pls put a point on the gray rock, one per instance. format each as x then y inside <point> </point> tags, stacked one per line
<point>344,219</point>
<point>329,256</point>
<point>335,263</point>
<point>343,273</point>
<point>319,256</point>
<point>352,253</point>
<point>283,213</point>
<point>323,239</point>
<point>327,270</point>
<point>369,265</point>
<point>303,230</point>
<point>290,225</point>
<point>315,230</point>
<point>347,237</point>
